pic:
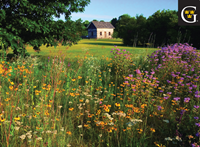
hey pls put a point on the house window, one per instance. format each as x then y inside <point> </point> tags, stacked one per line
<point>100,33</point>
<point>109,33</point>
<point>92,33</point>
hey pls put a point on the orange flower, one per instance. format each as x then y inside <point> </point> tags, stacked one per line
<point>68,132</point>
<point>152,129</point>
<point>71,109</point>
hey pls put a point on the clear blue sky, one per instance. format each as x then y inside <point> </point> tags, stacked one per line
<point>108,9</point>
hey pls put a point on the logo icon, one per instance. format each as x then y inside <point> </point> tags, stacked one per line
<point>188,12</point>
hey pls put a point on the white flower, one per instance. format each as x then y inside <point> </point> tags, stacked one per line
<point>16,128</point>
<point>135,120</point>
<point>54,132</point>
<point>48,131</point>
<point>131,123</point>
<point>23,137</point>
<point>111,123</point>
<point>29,136</point>
<point>167,121</point>
<point>80,126</point>
<point>17,108</point>
<point>62,129</point>
<point>39,138</point>
<point>87,101</point>
<point>168,138</point>
<point>178,138</point>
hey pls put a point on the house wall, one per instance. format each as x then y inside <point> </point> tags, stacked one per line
<point>96,33</point>
<point>90,31</point>
<point>103,33</point>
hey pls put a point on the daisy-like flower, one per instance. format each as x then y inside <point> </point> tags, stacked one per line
<point>22,137</point>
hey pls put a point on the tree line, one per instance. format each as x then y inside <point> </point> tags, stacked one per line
<point>158,30</point>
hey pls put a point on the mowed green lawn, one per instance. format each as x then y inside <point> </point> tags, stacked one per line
<point>88,47</point>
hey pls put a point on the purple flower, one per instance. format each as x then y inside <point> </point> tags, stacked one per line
<point>198,134</point>
<point>195,106</point>
<point>186,100</point>
<point>138,71</point>
<point>126,82</point>
<point>69,64</point>
<point>100,102</point>
<point>196,117</point>
<point>177,98</point>
<point>115,46</point>
<point>166,97</point>
<point>182,111</point>
<point>131,76</point>
<point>159,107</point>
<point>197,124</point>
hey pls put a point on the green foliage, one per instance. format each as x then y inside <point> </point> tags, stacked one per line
<point>39,28</point>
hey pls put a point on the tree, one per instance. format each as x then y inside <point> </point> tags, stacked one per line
<point>24,22</point>
<point>102,21</point>
<point>95,20</point>
<point>121,24</point>
<point>114,21</point>
<point>162,25</point>
<point>85,23</point>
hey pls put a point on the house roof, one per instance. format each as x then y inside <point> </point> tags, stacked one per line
<point>102,24</point>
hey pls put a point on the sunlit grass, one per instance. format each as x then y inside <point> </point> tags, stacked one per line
<point>111,99</point>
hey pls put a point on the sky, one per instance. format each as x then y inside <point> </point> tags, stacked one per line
<point>108,9</point>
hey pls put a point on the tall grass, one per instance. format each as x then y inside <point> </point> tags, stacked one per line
<point>117,100</point>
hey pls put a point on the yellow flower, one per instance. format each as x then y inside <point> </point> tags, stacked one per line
<point>17,118</point>
<point>23,115</point>
<point>152,129</point>
<point>109,130</point>
<point>46,113</point>
<point>2,120</point>
<point>48,105</point>
<point>71,109</point>
<point>11,87</point>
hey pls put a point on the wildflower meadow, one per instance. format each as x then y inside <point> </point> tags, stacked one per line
<point>105,98</point>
